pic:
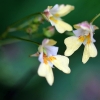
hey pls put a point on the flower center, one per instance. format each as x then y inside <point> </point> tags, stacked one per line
<point>81,38</point>
<point>53,19</point>
<point>56,15</point>
<point>46,59</point>
<point>88,39</point>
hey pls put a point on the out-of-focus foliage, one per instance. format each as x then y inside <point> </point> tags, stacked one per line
<point>18,72</point>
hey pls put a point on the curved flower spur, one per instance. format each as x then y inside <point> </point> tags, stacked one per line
<point>53,14</point>
<point>48,57</point>
<point>83,34</point>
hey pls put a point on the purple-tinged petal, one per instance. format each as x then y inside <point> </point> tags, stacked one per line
<point>45,41</point>
<point>41,57</point>
<point>78,32</point>
<point>54,9</point>
<point>85,25</point>
<point>92,39</point>
<point>51,50</point>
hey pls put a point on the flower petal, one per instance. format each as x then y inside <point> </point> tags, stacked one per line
<point>61,62</point>
<point>85,25</point>
<point>86,55</point>
<point>61,26</point>
<point>72,43</point>
<point>54,9</point>
<point>51,50</point>
<point>41,57</point>
<point>79,32</point>
<point>76,26</point>
<point>89,51</point>
<point>46,71</point>
<point>48,42</point>
<point>92,50</point>
<point>45,41</point>
<point>64,10</point>
<point>51,42</point>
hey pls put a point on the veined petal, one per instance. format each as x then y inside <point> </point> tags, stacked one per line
<point>89,51</point>
<point>60,25</point>
<point>46,71</point>
<point>64,10</point>
<point>61,62</point>
<point>72,43</point>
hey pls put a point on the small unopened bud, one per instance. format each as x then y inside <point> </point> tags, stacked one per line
<point>33,28</point>
<point>49,31</point>
<point>38,19</point>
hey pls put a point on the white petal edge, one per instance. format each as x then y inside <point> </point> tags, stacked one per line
<point>45,70</point>
<point>72,43</point>
<point>40,58</point>
<point>62,63</point>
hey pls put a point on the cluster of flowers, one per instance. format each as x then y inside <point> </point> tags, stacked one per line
<point>47,53</point>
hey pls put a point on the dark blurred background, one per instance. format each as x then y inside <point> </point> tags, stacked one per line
<point>18,71</point>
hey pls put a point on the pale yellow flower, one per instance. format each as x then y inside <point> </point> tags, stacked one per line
<point>83,35</point>
<point>48,57</point>
<point>53,15</point>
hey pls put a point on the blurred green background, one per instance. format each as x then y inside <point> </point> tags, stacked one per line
<point>18,72</point>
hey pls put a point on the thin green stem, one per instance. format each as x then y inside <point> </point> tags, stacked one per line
<point>4,34</point>
<point>24,40</point>
<point>13,40</point>
<point>19,21</point>
<point>95,18</point>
